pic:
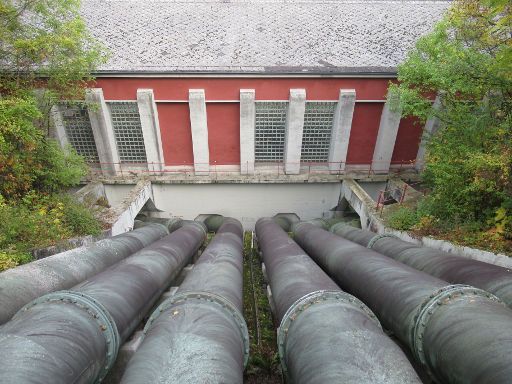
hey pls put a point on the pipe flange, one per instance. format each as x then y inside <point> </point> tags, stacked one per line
<point>435,301</point>
<point>303,304</point>
<point>336,226</point>
<point>205,297</point>
<point>94,309</point>
<point>197,224</point>
<point>374,239</point>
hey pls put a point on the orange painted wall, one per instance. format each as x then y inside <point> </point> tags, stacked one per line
<point>175,132</point>
<point>223,118</point>
<point>407,140</point>
<point>229,88</point>
<point>363,135</point>
<point>224,133</point>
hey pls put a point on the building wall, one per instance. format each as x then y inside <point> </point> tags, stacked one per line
<point>222,96</point>
<point>246,202</point>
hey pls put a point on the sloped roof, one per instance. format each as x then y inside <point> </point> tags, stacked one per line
<point>259,36</point>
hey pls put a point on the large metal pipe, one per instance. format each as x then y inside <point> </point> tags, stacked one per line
<point>455,269</point>
<point>199,335</point>
<point>325,335</point>
<point>460,333</point>
<point>22,284</point>
<point>73,336</point>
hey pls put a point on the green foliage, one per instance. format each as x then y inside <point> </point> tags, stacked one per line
<point>403,218</point>
<point>43,44</point>
<point>38,221</point>
<point>467,61</point>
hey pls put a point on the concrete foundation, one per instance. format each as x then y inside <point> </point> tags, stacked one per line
<point>246,202</point>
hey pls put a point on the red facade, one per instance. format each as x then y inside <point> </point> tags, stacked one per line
<point>171,96</point>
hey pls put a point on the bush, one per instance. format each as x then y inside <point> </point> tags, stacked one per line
<point>403,218</point>
<point>38,221</point>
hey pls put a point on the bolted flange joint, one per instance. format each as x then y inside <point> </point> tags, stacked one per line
<point>307,301</point>
<point>433,303</point>
<point>376,238</point>
<point>96,311</point>
<point>337,226</point>
<point>209,299</point>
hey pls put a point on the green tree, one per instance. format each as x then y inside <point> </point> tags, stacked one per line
<point>43,44</point>
<point>46,55</point>
<point>467,60</point>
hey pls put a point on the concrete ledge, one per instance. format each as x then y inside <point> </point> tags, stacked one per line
<point>364,205</point>
<point>122,217</point>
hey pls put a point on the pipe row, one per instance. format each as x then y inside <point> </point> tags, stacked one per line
<point>455,269</point>
<point>460,333</point>
<point>199,335</point>
<point>325,335</point>
<point>74,336</point>
<point>22,284</point>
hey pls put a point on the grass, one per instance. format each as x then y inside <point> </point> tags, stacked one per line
<point>263,366</point>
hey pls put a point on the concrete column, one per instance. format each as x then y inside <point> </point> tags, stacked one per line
<point>388,129</point>
<point>150,129</point>
<point>293,133</point>
<point>102,130</point>
<point>340,134</point>
<point>247,130</point>
<point>59,131</point>
<point>431,127</point>
<point>199,128</point>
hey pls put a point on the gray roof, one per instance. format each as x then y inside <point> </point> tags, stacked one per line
<point>259,36</point>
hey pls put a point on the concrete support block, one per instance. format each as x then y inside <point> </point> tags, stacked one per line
<point>59,131</point>
<point>199,128</point>
<point>124,355</point>
<point>247,130</point>
<point>388,130</point>
<point>150,129</point>
<point>431,127</point>
<point>294,129</point>
<point>102,130</point>
<point>340,134</point>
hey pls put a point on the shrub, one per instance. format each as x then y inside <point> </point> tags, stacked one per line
<point>403,218</point>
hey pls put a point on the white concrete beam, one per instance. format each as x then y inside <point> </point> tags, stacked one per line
<point>388,130</point>
<point>294,129</point>
<point>150,129</point>
<point>341,127</point>
<point>431,127</point>
<point>59,131</point>
<point>199,128</point>
<point>103,131</point>
<point>247,130</point>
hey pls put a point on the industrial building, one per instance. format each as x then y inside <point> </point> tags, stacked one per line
<point>251,93</point>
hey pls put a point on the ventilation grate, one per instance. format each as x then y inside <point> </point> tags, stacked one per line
<point>128,132</point>
<point>270,131</point>
<point>79,132</point>
<point>316,137</point>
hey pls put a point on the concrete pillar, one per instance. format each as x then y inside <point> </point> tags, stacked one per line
<point>431,127</point>
<point>247,130</point>
<point>388,129</point>
<point>199,128</point>
<point>102,130</point>
<point>294,129</point>
<point>150,129</point>
<point>340,134</point>
<point>59,131</point>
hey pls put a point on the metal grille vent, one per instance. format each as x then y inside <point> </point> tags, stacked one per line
<point>270,131</point>
<point>79,132</point>
<point>316,137</point>
<point>128,132</point>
